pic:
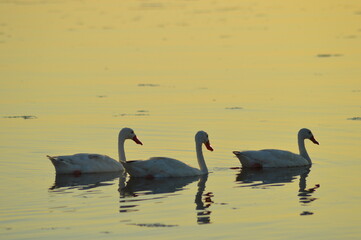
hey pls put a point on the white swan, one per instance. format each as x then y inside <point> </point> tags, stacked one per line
<point>168,167</point>
<point>278,158</point>
<point>93,163</point>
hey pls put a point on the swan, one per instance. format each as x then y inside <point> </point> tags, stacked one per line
<point>93,163</point>
<point>168,167</point>
<point>278,158</point>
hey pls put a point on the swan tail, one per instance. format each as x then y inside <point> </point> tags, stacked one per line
<point>239,154</point>
<point>55,161</point>
<point>51,158</point>
<point>64,166</point>
<point>247,161</point>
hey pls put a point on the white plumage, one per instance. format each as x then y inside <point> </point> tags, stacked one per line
<point>85,163</point>
<point>93,163</point>
<point>168,167</point>
<point>278,158</point>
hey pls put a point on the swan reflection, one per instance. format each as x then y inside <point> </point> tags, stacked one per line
<point>135,187</point>
<point>131,194</point>
<point>142,186</point>
<point>203,202</point>
<point>272,177</point>
<point>267,177</point>
<point>305,194</point>
<point>85,181</point>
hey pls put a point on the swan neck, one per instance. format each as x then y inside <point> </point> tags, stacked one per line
<point>302,148</point>
<point>303,183</point>
<point>200,158</point>
<point>121,140</point>
<point>201,187</point>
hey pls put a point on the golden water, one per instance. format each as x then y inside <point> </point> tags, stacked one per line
<point>250,73</point>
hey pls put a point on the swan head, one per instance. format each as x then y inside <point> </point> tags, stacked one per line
<point>128,133</point>
<point>202,137</point>
<point>305,133</point>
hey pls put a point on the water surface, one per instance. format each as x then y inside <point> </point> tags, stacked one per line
<point>250,73</point>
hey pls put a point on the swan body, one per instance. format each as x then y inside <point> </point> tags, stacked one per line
<point>278,158</point>
<point>85,163</point>
<point>160,167</point>
<point>168,167</point>
<point>92,163</point>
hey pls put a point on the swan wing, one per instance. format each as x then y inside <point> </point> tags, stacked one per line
<point>270,158</point>
<point>85,163</point>
<point>160,167</point>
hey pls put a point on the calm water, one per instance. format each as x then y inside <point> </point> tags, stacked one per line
<point>250,73</point>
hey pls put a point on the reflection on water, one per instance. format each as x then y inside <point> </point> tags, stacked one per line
<point>136,187</point>
<point>266,178</point>
<point>142,186</point>
<point>203,214</point>
<point>304,194</point>
<point>85,181</point>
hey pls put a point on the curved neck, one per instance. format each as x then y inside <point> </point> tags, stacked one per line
<point>302,148</point>
<point>121,153</point>
<point>200,158</point>
<point>302,183</point>
<point>201,187</point>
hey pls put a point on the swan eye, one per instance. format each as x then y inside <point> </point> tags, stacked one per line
<point>132,132</point>
<point>309,132</point>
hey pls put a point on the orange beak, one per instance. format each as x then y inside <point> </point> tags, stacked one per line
<point>208,146</point>
<point>314,140</point>
<point>135,139</point>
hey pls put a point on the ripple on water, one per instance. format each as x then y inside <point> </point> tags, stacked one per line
<point>327,55</point>
<point>137,114</point>
<point>148,85</point>
<point>354,118</point>
<point>234,108</point>
<point>152,225</point>
<point>23,117</point>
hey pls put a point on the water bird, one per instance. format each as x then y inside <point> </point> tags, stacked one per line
<point>278,158</point>
<point>168,167</point>
<point>94,163</point>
